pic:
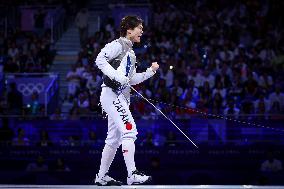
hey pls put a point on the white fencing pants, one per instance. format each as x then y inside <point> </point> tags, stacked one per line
<point>121,124</point>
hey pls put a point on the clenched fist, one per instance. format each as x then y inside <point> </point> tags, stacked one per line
<point>155,66</point>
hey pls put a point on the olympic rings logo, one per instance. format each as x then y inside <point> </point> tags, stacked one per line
<point>28,88</point>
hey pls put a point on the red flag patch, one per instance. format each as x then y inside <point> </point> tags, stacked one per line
<point>128,126</point>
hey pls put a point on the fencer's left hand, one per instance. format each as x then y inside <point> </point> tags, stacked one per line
<point>155,66</point>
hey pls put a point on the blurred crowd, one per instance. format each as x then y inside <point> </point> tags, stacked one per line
<point>217,57</point>
<point>30,51</point>
<point>26,52</point>
<point>223,58</point>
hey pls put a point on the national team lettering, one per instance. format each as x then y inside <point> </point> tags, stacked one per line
<point>121,110</point>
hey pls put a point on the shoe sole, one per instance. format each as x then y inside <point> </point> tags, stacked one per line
<point>98,184</point>
<point>108,184</point>
<point>142,183</point>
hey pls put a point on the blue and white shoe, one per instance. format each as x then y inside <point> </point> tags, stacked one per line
<point>106,181</point>
<point>138,178</point>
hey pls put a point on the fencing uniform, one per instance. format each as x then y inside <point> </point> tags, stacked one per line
<point>117,62</point>
<point>115,98</point>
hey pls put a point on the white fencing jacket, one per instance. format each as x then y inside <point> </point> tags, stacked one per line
<point>121,50</point>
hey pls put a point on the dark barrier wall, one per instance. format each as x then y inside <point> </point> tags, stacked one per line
<point>208,165</point>
<point>228,153</point>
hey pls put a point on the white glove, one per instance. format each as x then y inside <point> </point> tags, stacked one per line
<point>121,78</point>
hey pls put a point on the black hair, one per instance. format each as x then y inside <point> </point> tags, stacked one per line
<point>129,22</point>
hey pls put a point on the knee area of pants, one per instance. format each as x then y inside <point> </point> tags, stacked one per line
<point>129,137</point>
<point>128,134</point>
<point>113,145</point>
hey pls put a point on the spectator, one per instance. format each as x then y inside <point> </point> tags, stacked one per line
<point>93,83</point>
<point>235,90</point>
<point>205,93</point>
<point>247,107</point>
<point>74,114</point>
<point>20,139</point>
<point>39,21</point>
<point>73,82</point>
<point>209,78</point>
<point>250,87</point>
<point>73,141</point>
<point>44,139</point>
<point>262,105</point>
<point>148,141</point>
<point>92,136</point>
<point>275,108</point>
<point>277,98</point>
<point>144,91</point>
<point>176,89</point>
<point>162,91</point>
<point>271,164</point>
<point>220,89</point>
<point>60,166</point>
<point>11,66</point>
<point>110,28</point>
<point>57,115</point>
<point>3,105</point>
<point>167,75</point>
<point>231,110</point>
<point>80,69</point>
<point>81,21</point>
<point>35,105</point>
<point>13,51</point>
<point>171,139</point>
<point>38,166</point>
<point>15,100</point>
<point>94,104</point>
<point>217,104</point>
<point>265,81</point>
<point>198,79</point>
<point>6,133</point>
<point>192,89</point>
<point>83,103</point>
<point>93,139</point>
<point>189,102</point>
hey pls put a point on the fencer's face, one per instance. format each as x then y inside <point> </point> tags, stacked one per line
<point>136,33</point>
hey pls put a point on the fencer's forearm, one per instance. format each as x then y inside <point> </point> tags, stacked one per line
<point>140,77</point>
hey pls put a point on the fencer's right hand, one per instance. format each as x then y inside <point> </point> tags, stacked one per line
<point>121,78</point>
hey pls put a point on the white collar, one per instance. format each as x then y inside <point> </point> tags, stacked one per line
<point>127,41</point>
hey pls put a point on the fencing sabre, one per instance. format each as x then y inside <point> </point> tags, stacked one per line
<point>163,115</point>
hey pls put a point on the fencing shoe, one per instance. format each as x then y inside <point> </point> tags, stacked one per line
<point>138,178</point>
<point>106,181</point>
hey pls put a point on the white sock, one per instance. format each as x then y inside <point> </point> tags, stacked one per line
<point>107,158</point>
<point>128,150</point>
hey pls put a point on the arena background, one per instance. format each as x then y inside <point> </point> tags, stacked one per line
<point>220,80</point>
